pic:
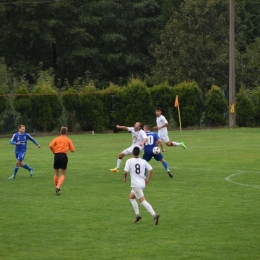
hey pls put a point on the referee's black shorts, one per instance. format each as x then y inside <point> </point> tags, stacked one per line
<point>60,161</point>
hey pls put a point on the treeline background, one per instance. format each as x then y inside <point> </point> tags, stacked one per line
<point>92,45</point>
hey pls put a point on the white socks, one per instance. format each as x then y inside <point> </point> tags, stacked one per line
<point>135,206</point>
<point>148,207</point>
<point>145,204</point>
<point>119,161</point>
<point>176,144</point>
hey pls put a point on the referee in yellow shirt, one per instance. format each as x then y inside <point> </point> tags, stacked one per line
<point>60,146</point>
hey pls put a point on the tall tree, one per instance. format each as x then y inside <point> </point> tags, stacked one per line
<point>216,106</point>
<point>3,101</point>
<point>248,16</point>
<point>194,45</point>
<point>248,66</point>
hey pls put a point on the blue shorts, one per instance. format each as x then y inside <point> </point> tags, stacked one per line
<point>20,155</point>
<point>148,156</point>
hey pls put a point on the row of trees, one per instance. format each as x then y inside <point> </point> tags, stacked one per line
<point>43,109</point>
<point>112,40</point>
<point>50,51</point>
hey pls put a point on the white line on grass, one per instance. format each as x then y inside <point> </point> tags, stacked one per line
<point>205,169</point>
<point>228,178</point>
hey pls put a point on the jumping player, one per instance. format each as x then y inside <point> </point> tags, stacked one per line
<point>138,139</point>
<point>162,124</point>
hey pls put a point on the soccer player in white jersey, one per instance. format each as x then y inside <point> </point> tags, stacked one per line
<point>139,138</point>
<point>162,124</point>
<point>137,167</point>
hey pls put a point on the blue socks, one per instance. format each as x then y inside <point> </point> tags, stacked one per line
<point>165,165</point>
<point>16,168</point>
<point>25,166</point>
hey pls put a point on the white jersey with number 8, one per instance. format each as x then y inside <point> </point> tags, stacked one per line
<point>136,167</point>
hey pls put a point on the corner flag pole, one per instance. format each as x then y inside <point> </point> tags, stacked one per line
<point>177,105</point>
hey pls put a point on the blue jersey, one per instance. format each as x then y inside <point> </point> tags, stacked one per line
<point>22,138</point>
<point>149,145</point>
<point>151,142</point>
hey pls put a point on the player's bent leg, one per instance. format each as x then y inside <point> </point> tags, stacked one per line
<point>16,168</point>
<point>135,206</point>
<point>28,168</point>
<point>56,177</point>
<point>148,207</point>
<point>119,160</point>
<point>61,179</point>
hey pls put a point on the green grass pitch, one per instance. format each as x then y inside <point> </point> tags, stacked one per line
<point>209,210</point>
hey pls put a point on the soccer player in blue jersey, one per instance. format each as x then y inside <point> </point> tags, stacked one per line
<point>153,141</point>
<point>20,139</point>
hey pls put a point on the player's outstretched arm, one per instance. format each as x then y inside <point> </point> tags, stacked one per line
<point>122,127</point>
<point>33,140</point>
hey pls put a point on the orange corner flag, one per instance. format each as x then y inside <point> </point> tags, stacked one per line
<point>176,104</point>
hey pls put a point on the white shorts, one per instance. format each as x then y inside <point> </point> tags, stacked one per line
<point>164,137</point>
<point>129,150</point>
<point>138,192</point>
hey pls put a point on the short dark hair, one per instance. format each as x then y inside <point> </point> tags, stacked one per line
<point>136,151</point>
<point>63,130</point>
<point>158,108</point>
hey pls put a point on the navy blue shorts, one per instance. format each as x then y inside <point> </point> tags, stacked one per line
<point>20,155</point>
<point>149,156</point>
